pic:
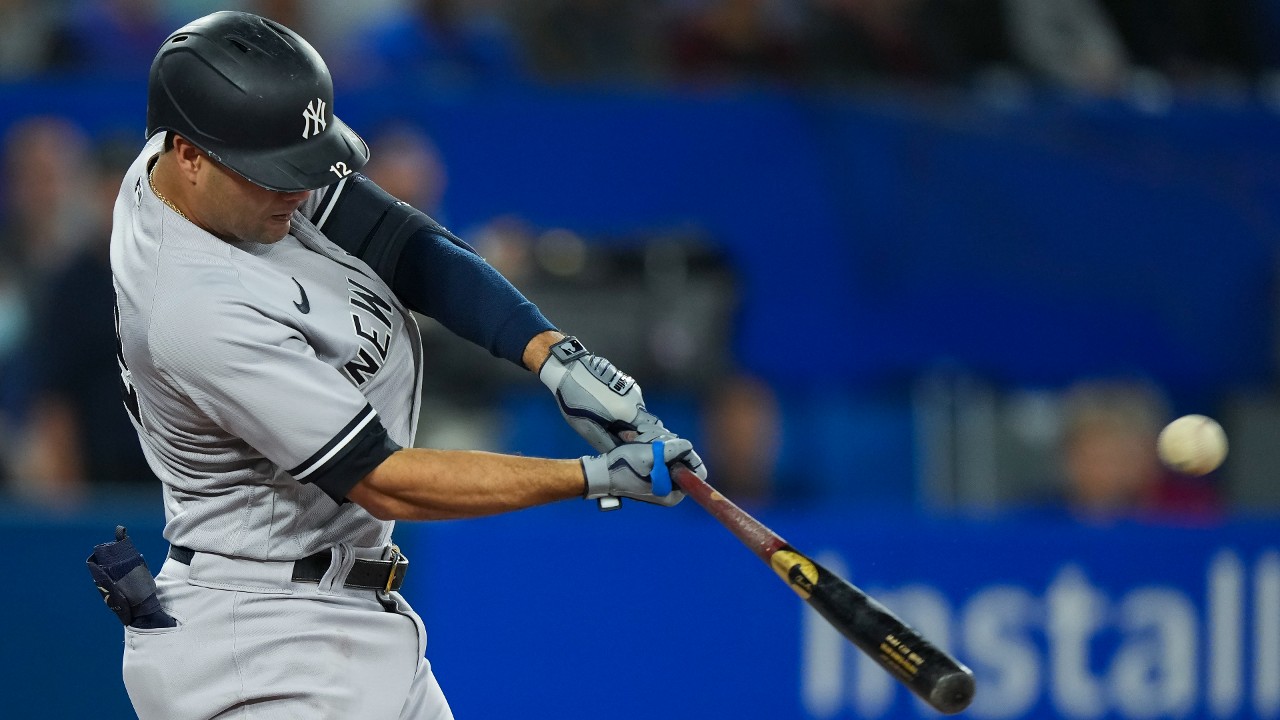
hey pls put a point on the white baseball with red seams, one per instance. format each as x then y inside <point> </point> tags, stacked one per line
<point>1192,444</point>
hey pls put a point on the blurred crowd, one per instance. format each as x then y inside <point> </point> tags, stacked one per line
<point>63,431</point>
<point>59,392</point>
<point>1092,46</point>
<point>64,435</point>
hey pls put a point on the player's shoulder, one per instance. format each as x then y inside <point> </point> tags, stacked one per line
<point>205,319</point>
<point>201,282</point>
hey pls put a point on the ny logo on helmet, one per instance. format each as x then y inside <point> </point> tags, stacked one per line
<point>313,121</point>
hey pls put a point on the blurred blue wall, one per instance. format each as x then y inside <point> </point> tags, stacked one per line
<point>570,613</point>
<point>875,240</point>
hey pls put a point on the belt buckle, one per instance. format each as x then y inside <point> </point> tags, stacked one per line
<point>395,563</point>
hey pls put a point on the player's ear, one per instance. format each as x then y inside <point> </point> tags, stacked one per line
<point>188,156</point>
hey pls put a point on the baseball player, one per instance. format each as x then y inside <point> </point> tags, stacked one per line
<point>271,366</point>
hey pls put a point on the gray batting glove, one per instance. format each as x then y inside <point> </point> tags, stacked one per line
<point>599,401</point>
<point>630,471</point>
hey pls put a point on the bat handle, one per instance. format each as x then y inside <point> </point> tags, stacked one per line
<point>609,502</point>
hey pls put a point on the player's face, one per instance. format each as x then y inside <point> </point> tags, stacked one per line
<point>237,209</point>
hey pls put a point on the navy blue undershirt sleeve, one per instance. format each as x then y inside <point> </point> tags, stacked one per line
<point>466,295</point>
<point>430,270</point>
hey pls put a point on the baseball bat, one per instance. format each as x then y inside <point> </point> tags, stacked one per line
<point>933,675</point>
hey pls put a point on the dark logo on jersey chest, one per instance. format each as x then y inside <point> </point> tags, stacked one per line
<point>371,316</point>
<point>304,307</point>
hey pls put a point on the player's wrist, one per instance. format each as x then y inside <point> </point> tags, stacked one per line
<point>586,483</point>
<point>538,350</point>
<point>558,361</point>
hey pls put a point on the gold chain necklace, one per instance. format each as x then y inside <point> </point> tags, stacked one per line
<point>151,180</point>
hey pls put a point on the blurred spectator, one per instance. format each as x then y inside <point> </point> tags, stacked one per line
<point>15,364</point>
<point>289,13</point>
<point>119,37</point>
<point>870,41</point>
<point>722,40</point>
<point>742,438</point>
<point>856,41</point>
<point>591,39</point>
<point>41,220</point>
<point>79,434</point>
<point>405,162</point>
<point>965,37</point>
<point>1071,43</point>
<point>1109,456</point>
<point>444,42</point>
<point>1190,41</point>
<point>506,242</point>
<point>30,37</point>
<point>43,216</point>
<point>1265,34</point>
<point>332,27</point>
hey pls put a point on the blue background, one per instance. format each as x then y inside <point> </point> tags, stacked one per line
<point>567,612</point>
<point>875,240</point>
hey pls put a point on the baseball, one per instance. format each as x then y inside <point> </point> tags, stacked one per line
<point>1192,444</point>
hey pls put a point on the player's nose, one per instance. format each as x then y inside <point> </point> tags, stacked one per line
<point>294,199</point>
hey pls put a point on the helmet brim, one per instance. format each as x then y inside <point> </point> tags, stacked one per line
<point>308,164</point>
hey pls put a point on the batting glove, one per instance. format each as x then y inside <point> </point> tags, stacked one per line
<point>640,471</point>
<point>599,401</point>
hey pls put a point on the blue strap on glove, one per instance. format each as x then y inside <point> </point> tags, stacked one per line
<point>659,476</point>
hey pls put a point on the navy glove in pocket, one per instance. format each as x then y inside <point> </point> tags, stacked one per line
<point>126,584</point>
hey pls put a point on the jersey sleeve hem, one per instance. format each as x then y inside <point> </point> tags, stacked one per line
<point>354,452</point>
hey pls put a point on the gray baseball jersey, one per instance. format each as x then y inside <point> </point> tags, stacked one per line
<point>260,377</point>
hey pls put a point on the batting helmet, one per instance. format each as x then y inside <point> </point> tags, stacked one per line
<point>257,98</point>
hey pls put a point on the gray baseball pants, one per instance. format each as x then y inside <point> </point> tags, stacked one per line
<point>252,644</point>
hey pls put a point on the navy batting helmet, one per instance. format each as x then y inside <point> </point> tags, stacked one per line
<point>257,98</point>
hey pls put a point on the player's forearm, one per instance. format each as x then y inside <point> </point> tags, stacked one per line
<point>421,484</point>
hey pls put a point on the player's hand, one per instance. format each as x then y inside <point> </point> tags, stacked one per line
<point>632,471</point>
<point>600,402</point>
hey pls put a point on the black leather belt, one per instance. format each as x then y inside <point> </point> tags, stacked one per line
<point>385,575</point>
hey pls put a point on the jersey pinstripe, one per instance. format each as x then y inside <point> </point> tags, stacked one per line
<point>260,377</point>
